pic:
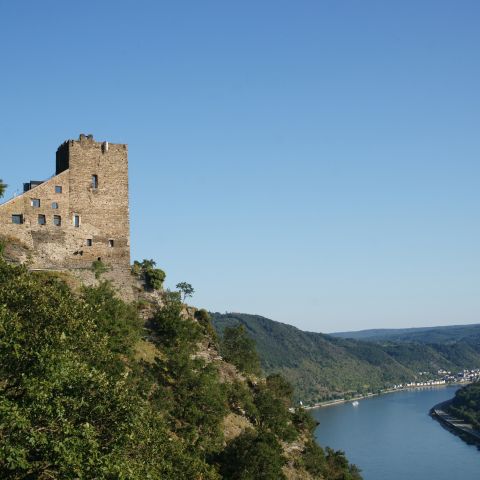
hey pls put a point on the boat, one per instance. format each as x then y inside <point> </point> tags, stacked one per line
<point>355,403</point>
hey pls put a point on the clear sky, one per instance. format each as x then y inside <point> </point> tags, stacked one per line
<point>313,161</point>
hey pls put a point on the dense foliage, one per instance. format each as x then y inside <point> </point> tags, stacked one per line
<point>427,335</point>
<point>99,268</point>
<point>153,277</point>
<point>70,405</point>
<point>3,187</point>
<point>75,403</point>
<point>466,404</point>
<point>321,366</point>
<point>238,348</point>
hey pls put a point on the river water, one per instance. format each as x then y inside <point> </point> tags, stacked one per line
<point>392,437</point>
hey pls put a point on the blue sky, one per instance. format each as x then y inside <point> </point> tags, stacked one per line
<point>315,162</point>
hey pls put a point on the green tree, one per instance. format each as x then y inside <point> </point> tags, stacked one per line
<point>115,319</point>
<point>153,277</point>
<point>253,456</point>
<point>205,321</point>
<point>185,289</point>
<point>238,348</point>
<point>192,396</point>
<point>280,388</point>
<point>3,187</point>
<point>273,414</point>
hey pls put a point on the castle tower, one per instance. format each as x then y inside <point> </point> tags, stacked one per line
<point>79,215</point>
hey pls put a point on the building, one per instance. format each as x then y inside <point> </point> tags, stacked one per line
<point>79,215</point>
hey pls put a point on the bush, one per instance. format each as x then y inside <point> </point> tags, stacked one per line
<point>153,277</point>
<point>205,321</point>
<point>114,319</point>
<point>303,421</point>
<point>240,400</point>
<point>238,348</point>
<point>252,456</point>
<point>99,268</point>
<point>273,415</point>
<point>69,408</point>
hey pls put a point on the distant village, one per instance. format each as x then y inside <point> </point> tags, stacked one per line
<point>443,377</point>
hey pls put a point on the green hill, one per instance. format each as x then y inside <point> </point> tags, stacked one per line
<point>94,388</point>
<point>446,334</point>
<point>466,404</point>
<point>323,366</point>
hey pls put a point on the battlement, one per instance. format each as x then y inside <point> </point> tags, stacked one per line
<point>84,142</point>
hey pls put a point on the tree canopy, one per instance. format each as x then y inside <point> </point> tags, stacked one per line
<point>153,277</point>
<point>238,348</point>
<point>3,187</point>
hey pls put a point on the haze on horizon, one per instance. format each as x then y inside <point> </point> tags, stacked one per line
<point>315,162</point>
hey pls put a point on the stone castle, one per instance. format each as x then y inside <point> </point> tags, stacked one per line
<point>79,215</point>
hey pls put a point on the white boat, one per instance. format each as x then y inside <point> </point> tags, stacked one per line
<point>355,403</point>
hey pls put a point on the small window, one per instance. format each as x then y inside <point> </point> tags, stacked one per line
<point>94,181</point>
<point>17,219</point>
<point>76,221</point>
<point>111,243</point>
<point>35,202</point>
<point>58,189</point>
<point>42,220</point>
<point>55,205</point>
<point>57,220</point>
<point>89,242</point>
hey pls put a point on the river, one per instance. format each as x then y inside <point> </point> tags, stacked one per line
<point>392,437</point>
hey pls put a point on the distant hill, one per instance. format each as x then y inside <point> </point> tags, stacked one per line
<point>323,366</point>
<point>448,334</point>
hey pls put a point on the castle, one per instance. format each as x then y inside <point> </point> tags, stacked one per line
<point>77,216</point>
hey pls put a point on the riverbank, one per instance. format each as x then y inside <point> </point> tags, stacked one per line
<point>456,425</point>
<point>339,401</point>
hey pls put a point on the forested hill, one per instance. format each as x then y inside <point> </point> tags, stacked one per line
<point>447,334</point>
<point>322,366</point>
<point>93,388</point>
<point>466,404</point>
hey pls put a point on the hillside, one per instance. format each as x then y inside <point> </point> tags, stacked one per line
<point>323,366</point>
<point>95,388</point>
<point>466,404</point>
<point>446,334</point>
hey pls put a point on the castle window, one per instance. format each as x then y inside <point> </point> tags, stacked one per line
<point>111,243</point>
<point>57,220</point>
<point>54,205</point>
<point>89,242</point>
<point>76,221</point>
<point>42,220</point>
<point>95,181</point>
<point>35,202</point>
<point>17,219</point>
<point>58,189</point>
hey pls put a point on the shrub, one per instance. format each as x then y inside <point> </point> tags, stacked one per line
<point>252,456</point>
<point>99,268</point>
<point>205,321</point>
<point>153,277</point>
<point>238,348</point>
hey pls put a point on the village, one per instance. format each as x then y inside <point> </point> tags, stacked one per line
<point>444,377</point>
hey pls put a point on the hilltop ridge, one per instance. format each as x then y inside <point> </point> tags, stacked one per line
<point>323,367</point>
